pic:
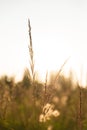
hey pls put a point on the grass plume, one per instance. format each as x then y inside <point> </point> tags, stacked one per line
<point>31,53</point>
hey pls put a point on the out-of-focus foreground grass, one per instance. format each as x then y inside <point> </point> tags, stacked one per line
<point>23,104</point>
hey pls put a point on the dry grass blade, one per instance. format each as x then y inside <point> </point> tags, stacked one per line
<point>61,69</point>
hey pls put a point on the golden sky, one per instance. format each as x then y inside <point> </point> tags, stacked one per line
<point>59,29</point>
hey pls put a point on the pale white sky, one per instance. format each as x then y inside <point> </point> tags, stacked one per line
<point>59,29</point>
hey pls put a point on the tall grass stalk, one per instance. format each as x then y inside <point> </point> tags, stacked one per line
<point>31,52</point>
<point>80,108</point>
<point>80,104</point>
<point>46,83</point>
<point>45,88</point>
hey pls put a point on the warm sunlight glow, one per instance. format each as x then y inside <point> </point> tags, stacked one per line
<point>58,31</point>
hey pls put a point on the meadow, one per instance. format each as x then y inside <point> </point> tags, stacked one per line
<point>57,104</point>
